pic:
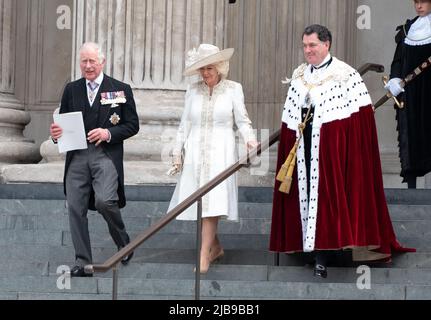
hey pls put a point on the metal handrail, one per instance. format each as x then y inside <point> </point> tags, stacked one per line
<point>113,261</point>
<point>171,215</point>
<point>371,67</point>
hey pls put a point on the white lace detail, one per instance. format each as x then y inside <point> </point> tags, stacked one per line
<point>207,124</point>
<point>219,88</point>
<point>420,32</point>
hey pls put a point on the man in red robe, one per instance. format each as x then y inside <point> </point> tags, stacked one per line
<point>336,200</point>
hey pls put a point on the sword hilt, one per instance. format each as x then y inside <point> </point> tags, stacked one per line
<point>400,105</point>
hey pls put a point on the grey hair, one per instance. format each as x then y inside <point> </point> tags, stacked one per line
<point>222,68</point>
<point>322,32</point>
<point>93,47</point>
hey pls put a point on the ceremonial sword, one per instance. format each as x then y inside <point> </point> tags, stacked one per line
<point>426,64</point>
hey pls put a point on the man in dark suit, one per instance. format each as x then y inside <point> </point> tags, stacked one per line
<point>94,178</point>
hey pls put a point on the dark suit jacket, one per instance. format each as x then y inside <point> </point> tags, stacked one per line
<point>75,99</point>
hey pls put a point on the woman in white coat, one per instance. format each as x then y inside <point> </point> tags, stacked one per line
<point>206,145</point>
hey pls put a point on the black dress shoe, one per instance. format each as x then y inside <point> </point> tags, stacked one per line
<point>78,271</point>
<point>127,258</point>
<point>320,271</point>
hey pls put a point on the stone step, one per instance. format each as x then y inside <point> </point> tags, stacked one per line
<point>19,254</point>
<point>408,196</point>
<point>410,212</point>
<point>86,287</point>
<point>415,226</point>
<point>134,209</point>
<point>222,272</point>
<point>27,268</point>
<point>38,237</point>
<point>44,258</point>
<point>247,235</point>
<point>68,296</point>
<point>8,296</point>
<point>97,225</point>
<point>273,290</point>
<point>264,289</point>
<point>46,284</point>
<point>144,192</point>
<point>219,279</point>
<point>163,193</point>
<point>35,240</point>
<point>154,209</point>
<point>350,275</point>
<point>182,241</point>
<point>229,241</point>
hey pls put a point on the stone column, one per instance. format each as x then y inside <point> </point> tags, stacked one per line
<point>14,147</point>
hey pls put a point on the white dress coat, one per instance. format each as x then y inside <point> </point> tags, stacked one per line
<point>206,135</point>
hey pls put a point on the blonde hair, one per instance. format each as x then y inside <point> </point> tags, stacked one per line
<point>222,68</point>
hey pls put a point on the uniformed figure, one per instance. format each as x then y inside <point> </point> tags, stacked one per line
<point>413,121</point>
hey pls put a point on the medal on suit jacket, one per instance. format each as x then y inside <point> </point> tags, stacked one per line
<point>113,98</point>
<point>115,119</point>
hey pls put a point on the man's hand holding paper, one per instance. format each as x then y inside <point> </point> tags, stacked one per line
<point>68,129</point>
<point>55,131</point>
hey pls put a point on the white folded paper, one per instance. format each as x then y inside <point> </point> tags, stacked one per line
<point>73,137</point>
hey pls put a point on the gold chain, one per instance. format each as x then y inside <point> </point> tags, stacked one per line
<point>312,85</point>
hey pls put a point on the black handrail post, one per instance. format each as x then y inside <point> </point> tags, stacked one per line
<point>198,250</point>
<point>115,282</point>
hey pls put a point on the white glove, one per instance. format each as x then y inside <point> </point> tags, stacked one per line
<point>394,86</point>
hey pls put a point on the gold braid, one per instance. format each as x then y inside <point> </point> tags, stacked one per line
<point>286,172</point>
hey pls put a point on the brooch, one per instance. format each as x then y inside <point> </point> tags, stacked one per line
<point>115,119</point>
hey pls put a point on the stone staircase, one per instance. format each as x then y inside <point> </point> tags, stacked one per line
<point>35,241</point>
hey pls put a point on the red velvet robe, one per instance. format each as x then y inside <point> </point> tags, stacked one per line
<point>351,205</point>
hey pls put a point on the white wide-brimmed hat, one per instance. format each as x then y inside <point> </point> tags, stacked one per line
<point>205,55</point>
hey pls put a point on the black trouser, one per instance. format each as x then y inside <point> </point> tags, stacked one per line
<point>411,182</point>
<point>322,257</point>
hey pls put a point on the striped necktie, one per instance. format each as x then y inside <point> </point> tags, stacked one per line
<point>92,92</point>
